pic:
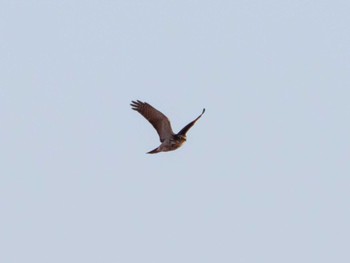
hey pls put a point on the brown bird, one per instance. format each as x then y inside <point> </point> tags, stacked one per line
<point>170,141</point>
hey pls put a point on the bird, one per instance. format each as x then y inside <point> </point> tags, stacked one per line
<point>170,141</point>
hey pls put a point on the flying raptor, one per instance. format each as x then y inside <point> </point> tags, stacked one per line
<point>170,141</point>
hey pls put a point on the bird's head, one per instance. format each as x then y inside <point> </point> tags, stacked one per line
<point>181,137</point>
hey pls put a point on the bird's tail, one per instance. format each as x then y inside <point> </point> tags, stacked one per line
<point>156,150</point>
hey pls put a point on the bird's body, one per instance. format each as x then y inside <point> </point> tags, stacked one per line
<point>169,140</point>
<point>169,145</point>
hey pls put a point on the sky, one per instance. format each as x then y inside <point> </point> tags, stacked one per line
<point>263,176</point>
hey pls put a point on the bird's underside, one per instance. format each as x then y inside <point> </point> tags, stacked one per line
<point>170,141</point>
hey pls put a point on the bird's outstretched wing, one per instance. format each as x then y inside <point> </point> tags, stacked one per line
<point>189,126</point>
<point>158,120</point>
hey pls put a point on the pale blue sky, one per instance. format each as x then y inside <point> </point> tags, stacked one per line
<point>264,175</point>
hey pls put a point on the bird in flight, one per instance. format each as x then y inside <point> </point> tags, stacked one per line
<point>170,141</point>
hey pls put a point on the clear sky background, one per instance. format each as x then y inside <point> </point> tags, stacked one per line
<point>264,175</point>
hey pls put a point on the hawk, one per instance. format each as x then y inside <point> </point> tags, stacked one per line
<point>170,141</point>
